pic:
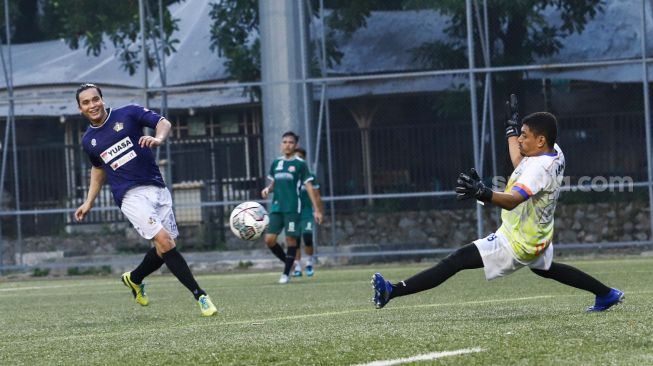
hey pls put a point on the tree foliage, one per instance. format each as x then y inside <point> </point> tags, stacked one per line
<point>234,35</point>
<point>235,31</point>
<point>88,22</point>
<point>518,31</point>
<point>91,23</point>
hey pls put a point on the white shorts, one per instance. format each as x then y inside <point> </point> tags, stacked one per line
<point>499,259</point>
<point>149,209</point>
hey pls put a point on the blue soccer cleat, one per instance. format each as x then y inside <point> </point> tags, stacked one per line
<point>297,273</point>
<point>382,290</point>
<point>603,303</point>
<point>309,270</point>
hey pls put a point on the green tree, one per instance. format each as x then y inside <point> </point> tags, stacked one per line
<point>234,35</point>
<point>87,22</point>
<point>235,31</point>
<point>14,15</point>
<point>517,30</point>
<point>518,33</point>
<point>91,23</point>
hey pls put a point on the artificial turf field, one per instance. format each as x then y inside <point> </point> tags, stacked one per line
<point>329,320</point>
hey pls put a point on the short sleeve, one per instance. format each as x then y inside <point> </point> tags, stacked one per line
<point>95,161</point>
<point>145,117</point>
<point>271,172</point>
<point>305,174</point>
<point>532,180</point>
<point>314,182</point>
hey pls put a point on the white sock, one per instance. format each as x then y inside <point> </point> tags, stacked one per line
<point>298,266</point>
<point>309,260</point>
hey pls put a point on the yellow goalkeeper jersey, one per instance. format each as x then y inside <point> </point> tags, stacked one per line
<point>529,226</point>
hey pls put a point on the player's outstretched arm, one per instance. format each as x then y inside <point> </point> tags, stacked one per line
<point>513,129</point>
<point>316,200</point>
<point>98,177</point>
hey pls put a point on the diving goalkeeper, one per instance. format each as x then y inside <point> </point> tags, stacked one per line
<point>525,236</point>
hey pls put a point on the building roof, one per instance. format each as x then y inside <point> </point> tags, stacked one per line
<point>615,34</point>
<point>192,63</point>
<point>385,45</point>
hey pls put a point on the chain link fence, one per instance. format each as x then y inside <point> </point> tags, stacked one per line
<point>389,150</point>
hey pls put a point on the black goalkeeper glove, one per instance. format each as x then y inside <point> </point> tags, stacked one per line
<point>513,123</point>
<point>468,186</point>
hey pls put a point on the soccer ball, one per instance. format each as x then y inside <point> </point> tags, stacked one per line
<point>249,220</point>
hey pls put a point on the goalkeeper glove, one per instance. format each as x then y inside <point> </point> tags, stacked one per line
<point>513,124</point>
<point>470,185</point>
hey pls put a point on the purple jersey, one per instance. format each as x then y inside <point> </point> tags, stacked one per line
<point>114,147</point>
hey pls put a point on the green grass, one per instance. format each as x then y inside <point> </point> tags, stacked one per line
<point>329,320</point>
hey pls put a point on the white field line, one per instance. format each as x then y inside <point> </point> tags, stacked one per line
<point>424,357</point>
<point>9,289</point>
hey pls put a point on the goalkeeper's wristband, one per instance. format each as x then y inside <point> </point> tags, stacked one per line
<point>484,194</point>
<point>511,131</point>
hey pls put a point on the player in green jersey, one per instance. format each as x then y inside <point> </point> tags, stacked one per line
<point>525,236</point>
<point>287,174</point>
<point>306,224</point>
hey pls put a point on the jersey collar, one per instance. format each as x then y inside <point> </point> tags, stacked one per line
<point>105,120</point>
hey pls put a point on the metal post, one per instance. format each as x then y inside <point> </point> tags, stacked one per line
<point>472,95</point>
<point>316,155</point>
<point>162,64</point>
<point>318,134</point>
<point>7,132</point>
<point>486,92</point>
<point>11,119</point>
<point>159,53</point>
<point>306,94</point>
<point>647,117</point>
<point>328,126</point>
<point>141,15</point>
<point>19,219</point>
<point>490,101</point>
<point>2,180</point>
<point>164,96</point>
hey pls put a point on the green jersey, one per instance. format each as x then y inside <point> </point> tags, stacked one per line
<point>307,205</point>
<point>529,226</point>
<point>288,176</point>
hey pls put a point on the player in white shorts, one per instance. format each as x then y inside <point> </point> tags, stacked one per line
<point>122,156</point>
<point>524,238</point>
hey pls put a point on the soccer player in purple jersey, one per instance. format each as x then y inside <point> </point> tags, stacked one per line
<point>121,155</point>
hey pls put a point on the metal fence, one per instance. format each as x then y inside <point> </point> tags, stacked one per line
<point>386,163</point>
